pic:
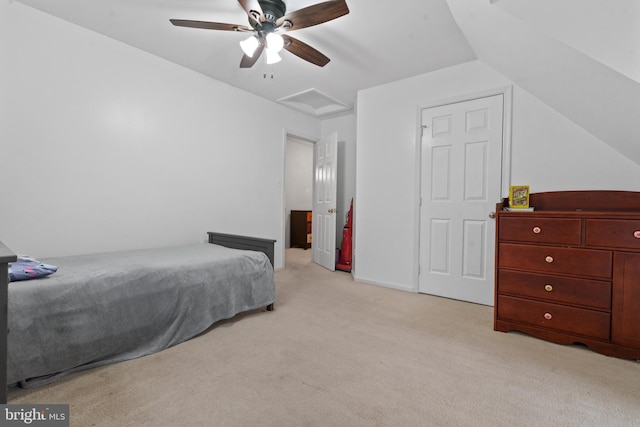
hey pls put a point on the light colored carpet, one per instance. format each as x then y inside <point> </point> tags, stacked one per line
<point>340,353</point>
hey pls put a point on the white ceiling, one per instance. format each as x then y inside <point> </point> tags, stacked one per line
<point>580,57</point>
<point>376,43</point>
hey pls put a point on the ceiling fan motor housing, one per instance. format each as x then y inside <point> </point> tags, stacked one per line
<point>272,11</point>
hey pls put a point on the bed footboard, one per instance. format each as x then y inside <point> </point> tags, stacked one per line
<point>244,242</point>
<point>6,256</point>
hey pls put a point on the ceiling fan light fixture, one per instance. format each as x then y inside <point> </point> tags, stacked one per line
<point>275,42</point>
<point>250,45</point>
<point>272,56</point>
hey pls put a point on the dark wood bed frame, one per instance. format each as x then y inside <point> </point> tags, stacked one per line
<point>7,256</point>
<point>248,243</point>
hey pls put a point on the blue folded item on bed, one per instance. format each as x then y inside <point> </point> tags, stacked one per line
<point>26,268</point>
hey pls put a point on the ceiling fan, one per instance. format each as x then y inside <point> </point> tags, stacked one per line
<point>267,20</point>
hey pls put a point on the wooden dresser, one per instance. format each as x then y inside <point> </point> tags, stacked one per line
<point>569,272</point>
<point>301,229</point>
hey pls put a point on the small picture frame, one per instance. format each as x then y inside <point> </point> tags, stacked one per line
<point>518,197</point>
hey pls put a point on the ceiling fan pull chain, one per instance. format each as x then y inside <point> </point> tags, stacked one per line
<point>267,70</point>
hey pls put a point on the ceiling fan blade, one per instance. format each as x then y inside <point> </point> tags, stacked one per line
<point>209,25</point>
<point>249,5</point>
<point>315,14</point>
<point>304,51</point>
<point>248,61</point>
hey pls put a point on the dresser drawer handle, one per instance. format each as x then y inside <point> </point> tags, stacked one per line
<point>548,288</point>
<point>548,316</point>
<point>537,230</point>
<point>636,234</point>
<point>549,259</point>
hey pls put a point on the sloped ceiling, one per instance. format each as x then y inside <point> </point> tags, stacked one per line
<point>581,57</point>
<point>376,43</point>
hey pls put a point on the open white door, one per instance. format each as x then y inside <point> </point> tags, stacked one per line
<point>324,202</point>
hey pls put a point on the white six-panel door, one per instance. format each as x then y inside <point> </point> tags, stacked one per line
<point>461,182</point>
<point>324,202</point>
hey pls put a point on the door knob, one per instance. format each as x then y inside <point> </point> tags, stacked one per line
<point>492,215</point>
<point>332,210</point>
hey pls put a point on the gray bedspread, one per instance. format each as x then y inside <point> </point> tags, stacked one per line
<point>105,308</point>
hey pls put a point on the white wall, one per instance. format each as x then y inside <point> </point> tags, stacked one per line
<point>549,152</point>
<point>105,147</point>
<point>606,31</point>
<point>552,153</point>
<point>530,50</point>
<point>298,180</point>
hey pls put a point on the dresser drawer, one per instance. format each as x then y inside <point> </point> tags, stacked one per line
<point>613,233</point>
<point>522,228</point>
<point>559,289</point>
<point>578,321</point>
<point>551,259</point>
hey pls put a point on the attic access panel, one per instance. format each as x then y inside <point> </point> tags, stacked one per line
<point>314,103</point>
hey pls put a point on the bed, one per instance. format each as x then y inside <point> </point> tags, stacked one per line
<point>105,308</point>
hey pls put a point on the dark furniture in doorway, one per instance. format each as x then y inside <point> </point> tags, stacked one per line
<point>301,229</point>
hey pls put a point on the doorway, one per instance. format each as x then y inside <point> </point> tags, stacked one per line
<point>298,186</point>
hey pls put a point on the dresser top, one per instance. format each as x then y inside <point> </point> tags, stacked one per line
<point>585,201</point>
